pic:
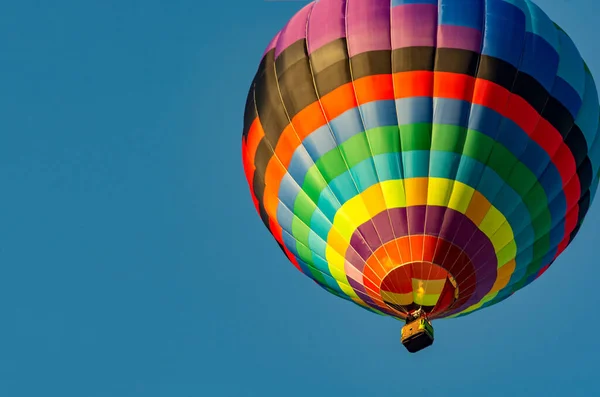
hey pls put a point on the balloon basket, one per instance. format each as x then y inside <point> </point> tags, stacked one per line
<point>417,335</point>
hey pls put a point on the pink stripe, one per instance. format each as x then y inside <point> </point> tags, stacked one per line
<point>368,26</point>
<point>452,36</point>
<point>294,30</point>
<point>414,25</point>
<point>327,23</point>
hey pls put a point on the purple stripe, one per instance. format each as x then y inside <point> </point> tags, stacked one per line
<point>414,25</point>
<point>358,287</point>
<point>294,30</point>
<point>368,26</point>
<point>461,37</point>
<point>327,23</point>
<point>444,222</point>
<point>456,228</point>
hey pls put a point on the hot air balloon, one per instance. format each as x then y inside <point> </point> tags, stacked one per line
<point>423,159</point>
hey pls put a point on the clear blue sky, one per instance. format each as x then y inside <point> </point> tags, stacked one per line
<point>132,262</point>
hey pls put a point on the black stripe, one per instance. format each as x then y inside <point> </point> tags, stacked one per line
<point>268,101</point>
<point>575,140</point>
<point>413,59</point>
<point>586,175</point>
<point>261,159</point>
<point>371,63</point>
<point>295,79</point>
<point>454,61</point>
<point>249,112</point>
<point>331,68</point>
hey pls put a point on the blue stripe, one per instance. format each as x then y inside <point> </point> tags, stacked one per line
<point>416,163</point>
<point>467,13</point>
<point>540,60</point>
<point>328,203</point>
<point>566,95</point>
<point>571,68</point>
<point>379,114</point>
<point>414,110</point>
<point>288,191</point>
<point>389,166</point>
<point>364,174</point>
<point>285,217</point>
<point>319,142</point>
<point>320,224</point>
<point>346,125</point>
<point>542,26</point>
<point>301,162</point>
<point>587,119</point>
<point>504,32</point>
<point>290,242</point>
<point>318,246</point>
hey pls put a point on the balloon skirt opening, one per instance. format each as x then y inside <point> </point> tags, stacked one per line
<point>419,285</point>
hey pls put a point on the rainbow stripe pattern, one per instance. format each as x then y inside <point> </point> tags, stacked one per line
<point>433,154</point>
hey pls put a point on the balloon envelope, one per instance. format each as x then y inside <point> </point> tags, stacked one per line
<point>427,154</point>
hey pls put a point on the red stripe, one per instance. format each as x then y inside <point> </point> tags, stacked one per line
<point>276,230</point>
<point>292,259</point>
<point>542,271</point>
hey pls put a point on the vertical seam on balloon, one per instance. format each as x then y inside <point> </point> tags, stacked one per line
<point>479,179</point>
<point>464,140</point>
<point>372,159</point>
<point>402,165</point>
<point>434,105</point>
<point>400,159</point>
<point>366,137</point>
<point>340,152</point>
<point>483,30</point>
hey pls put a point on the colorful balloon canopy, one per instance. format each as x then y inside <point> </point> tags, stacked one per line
<point>422,154</point>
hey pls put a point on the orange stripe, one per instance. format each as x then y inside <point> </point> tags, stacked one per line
<point>273,176</point>
<point>308,120</point>
<point>478,208</point>
<point>374,88</point>
<point>287,145</point>
<point>404,248</point>
<point>416,244</point>
<point>255,134</point>
<point>409,84</point>
<point>453,85</point>
<point>338,101</point>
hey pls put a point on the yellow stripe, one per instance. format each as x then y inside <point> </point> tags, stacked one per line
<point>427,299</point>
<point>414,192</point>
<point>399,299</point>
